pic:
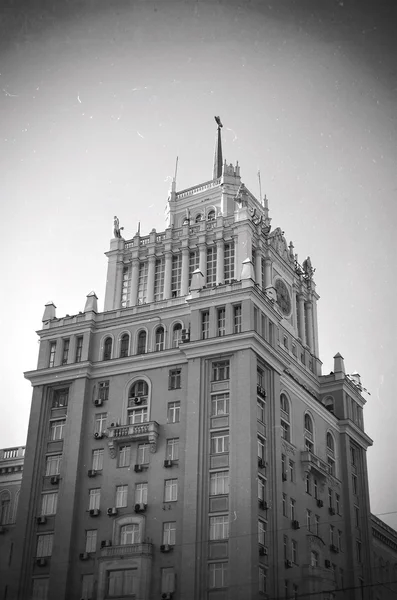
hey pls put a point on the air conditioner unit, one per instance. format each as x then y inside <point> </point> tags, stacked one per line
<point>334,548</point>
<point>137,400</point>
<point>261,391</point>
<point>41,562</point>
<point>263,504</point>
<point>84,556</point>
<point>168,463</point>
<point>327,564</point>
<point>185,335</point>
<point>331,510</point>
<point>98,435</point>
<point>165,548</point>
<point>98,402</point>
<point>140,507</point>
<point>106,543</point>
<point>295,525</point>
<point>2,529</point>
<point>113,424</point>
<point>288,564</point>
<point>91,473</point>
<point>262,551</point>
<point>284,476</point>
<point>94,512</point>
<point>138,468</point>
<point>261,463</point>
<point>320,503</point>
<point>41,520</point>
<point>112,511</point>
<point>166,595</point>
<point>54,479</point>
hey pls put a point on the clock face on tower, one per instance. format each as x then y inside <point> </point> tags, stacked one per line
<point>283,297</point>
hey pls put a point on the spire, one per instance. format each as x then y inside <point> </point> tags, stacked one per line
<point>218,160</point>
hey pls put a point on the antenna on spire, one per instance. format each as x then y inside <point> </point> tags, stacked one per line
<point>139,228</point>
<point>176,168</point>
<point>260,187</point>
<point>218,161</point>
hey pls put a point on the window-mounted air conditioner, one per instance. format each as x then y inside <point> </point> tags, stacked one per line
<point>331,510</point>
<point>263,505</point>
<point>334,548</point>
<point>320,503</point>
<point>138,468</point>
<point>140,507</point>
<point>261,463</point>
<point>166,595</point>
<point>284,476</point>
<point>91,473</point>
<point>262,551</point>
<point>54,479</point>
<point>112,511</point>
<point>288,564</point>
<point>84,556</point>
<point>106,543</point>
<point>295,525</point>
<point>98,435</point>
<point>137,400</point>
<point>98,402</point>
<point>165,548</point>
<point>41,562</point>
<point>168,463</point>
<point>2,529</point>
<point>327,564</point>
<point>41,520</point>
<point>185,335</point>
<point>94,512</point>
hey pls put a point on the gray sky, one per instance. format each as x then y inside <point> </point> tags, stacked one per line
<point>98,98</point>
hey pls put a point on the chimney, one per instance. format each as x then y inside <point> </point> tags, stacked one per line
<point>49,312</point>
<point>91,303</point>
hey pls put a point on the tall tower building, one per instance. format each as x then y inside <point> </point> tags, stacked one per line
<point>183,443</point>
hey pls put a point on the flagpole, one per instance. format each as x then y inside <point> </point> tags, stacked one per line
<point>260,187</point>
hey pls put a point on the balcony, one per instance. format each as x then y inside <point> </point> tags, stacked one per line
<point>124,434</point>
<point>311,572</point>
<point>127,550</point>
<point>313,462</point>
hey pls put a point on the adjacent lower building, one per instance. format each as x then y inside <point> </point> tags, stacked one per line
<point>184,443</point>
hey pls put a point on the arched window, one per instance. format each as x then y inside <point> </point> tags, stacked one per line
<point>285,418</point>
<point>141,342</point>
<point>198,218</point>
<point>159,341</point>
<point>211,215</point>
<point>308,433</point>
<point>107,348</point>
<point>124,343</point>
<point>331,453</point>
<point>176,335</point>
<point>130,534</point>
<point>138,402</point>
<point>5,508</point>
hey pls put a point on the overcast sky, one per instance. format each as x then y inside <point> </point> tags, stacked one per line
<point>98,98</point>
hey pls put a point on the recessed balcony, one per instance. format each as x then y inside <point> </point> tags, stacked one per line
<point>127,550</point>
<point>313,462</point>
<point>138,432</point>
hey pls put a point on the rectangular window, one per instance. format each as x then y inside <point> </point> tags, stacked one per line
<point>340,540</point>
<point>285,430</point>
<point>295,589</point>
<point>138,415</point>
<point>193,264</point>
<point>40,588</point>
<point>120,583</point>
<point>44,545</point>
<point>260,410</point>
<point>173,413</point>
<point>317,525</point>
<point>49,503</point>
<point>358,551</point>
<point>219,527</point>
<point>56,429</point>
<point>330,498</point>
<point>90,540</point>
<point>353,456</point>
<point>141,493</point>
<point>219,483</point>
<point>169,533</point>
<point>221,322</point>
<point>100,422</point>
<point>285,547</point>
<point>315,489</point>
<point>309,520</point>
<point>79,348</point>
<point>220,370</point>
<point>229,262</point>
<point>262,580</point>
<point>331,535</point>
<point>97,460</point>
<point>60,398</point>
<point>217,575</point>
<point>168,580</point>
<point>126,285</point>
<point>308,483</point>
<point>337,503</point>
<point>219,443</point>
<point>237,318</point>
<point>87,586</point>
<point>211,266</point>
<point>205,324</point>
<point>53,465</point>
<point>142,282</point>
<point>176,275</point>
<point>121,496</point>
<point>94,498</point>
<point>354,484</point>
<point>261,532</point>
<point>174,379</point>
<point>261,488</point>
<point>172,449</point>
<point>124,458</point>
<point>294,551</point>
<point>219,404</point>
<point>286,589</point>
<point>357,516</point>
<point>292,505</point>
<point>65,351</point>
<point>291,465</point>
<point>261,448</point>
<point>103,390</point>
<point>314,558</point>
<point>283,469</point>
<point>171,490</point>
<point>143,454</point>
<point>284,505</point>
<point>53,347</point>
<point>159,279</point>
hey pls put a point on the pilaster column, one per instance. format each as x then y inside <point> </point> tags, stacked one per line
<point>119,284</point>
<point>315,329</point>
<point>268,271</point>
<point>134,282</point>
<point>309,323</point>
<point>185,272</point>
<point>150,278</point>
<point>167,275</point>
<point>258,267</point>
<point>203,260</point>
<point>220,261</point>
<point>301,318</point>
